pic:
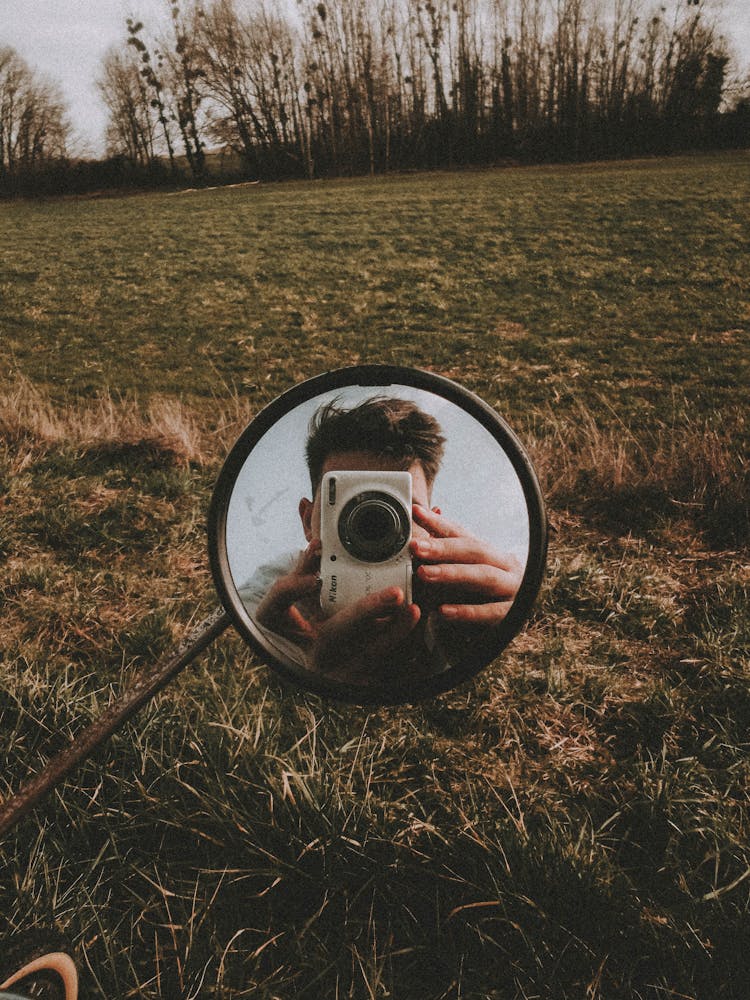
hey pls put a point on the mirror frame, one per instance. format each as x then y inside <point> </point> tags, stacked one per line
<point>489,644</point>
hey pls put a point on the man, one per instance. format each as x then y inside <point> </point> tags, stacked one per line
<point>460,582</point>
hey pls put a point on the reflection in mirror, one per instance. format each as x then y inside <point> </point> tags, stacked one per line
<point>373,534</point>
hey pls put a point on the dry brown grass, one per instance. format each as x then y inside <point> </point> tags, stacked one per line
<point>30,421</point>
<point>608,472</point>
<point>691,470</point>
<point>689,453</point>
<point>585,780</point>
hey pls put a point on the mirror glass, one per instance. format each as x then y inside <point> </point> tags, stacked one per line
<point>374,540</point>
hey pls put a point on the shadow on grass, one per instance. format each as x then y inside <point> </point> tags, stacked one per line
<point>639,482</point>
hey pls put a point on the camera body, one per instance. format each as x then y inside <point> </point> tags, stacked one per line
<point>365,530</point>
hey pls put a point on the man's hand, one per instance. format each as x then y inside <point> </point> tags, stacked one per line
<point>466,579</point>
<point>356,643</point>
<point>278,611</point>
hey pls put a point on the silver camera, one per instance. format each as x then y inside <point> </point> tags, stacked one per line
<point>365,530</point>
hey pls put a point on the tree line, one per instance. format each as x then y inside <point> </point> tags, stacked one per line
<point>33,126</point>
<point>341,87</point>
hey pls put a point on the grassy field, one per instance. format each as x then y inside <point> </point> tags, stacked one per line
<point>538,285</point>
<point>573,824</point>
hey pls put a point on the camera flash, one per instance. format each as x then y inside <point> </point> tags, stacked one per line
<point>331,491</point>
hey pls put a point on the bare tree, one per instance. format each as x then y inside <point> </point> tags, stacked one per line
<point>34,131</point>
<point>131,124</point>
<point>183,71</point>
<point>251,77</point>
<point>352,86</point>
<point>151,70</point>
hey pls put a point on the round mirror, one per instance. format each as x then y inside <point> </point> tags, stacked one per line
<point>378,534</point>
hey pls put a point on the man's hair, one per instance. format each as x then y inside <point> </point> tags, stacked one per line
<point>394,429</point>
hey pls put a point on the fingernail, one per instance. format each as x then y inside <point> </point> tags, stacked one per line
<point>448,611</point>
<point>429,572</point>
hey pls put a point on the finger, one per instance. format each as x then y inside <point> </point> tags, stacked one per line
<point>300,625</point>
<point>309,560</point>
<point>466,549</point>
<point>475,614</point>
<point>277,611</point>
<point>388,635</point>
<point>436,524</point>
<point>484,581</point>
<point>381,604</point>
<point>289,589</point>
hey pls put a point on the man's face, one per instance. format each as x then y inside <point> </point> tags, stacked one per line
<point>362,461</point>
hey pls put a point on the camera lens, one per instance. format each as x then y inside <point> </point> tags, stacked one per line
<point>374,526</point>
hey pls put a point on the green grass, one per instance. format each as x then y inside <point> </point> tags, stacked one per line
<point>542,284</point>
<point>572,824</point>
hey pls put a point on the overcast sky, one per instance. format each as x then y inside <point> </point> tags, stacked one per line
<point>66,39</point>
